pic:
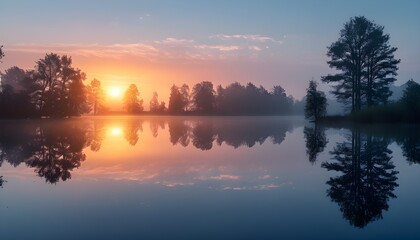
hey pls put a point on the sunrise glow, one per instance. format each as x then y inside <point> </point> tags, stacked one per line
<point>116,131</point>
<point>115,92</point>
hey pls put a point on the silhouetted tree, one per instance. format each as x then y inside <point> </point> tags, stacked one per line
<point>203,97</point>
<point>368,178</point>
<point>410,100</point>
<point>366,63</point>
<point>77,101</point>
<point>1,52</point>
<point>176,101</point>
<point>185,93</point>
<point>282,103</point>
<point>236,99</point>
<point>96,96</point>
<point>315,140</point>
<point>154,103</point>
<point>15,100</point>
<point>16,78</point>
<point>131,100</point>
<point>155,107</point>
<point>316,102</point>
<point>53,77</point>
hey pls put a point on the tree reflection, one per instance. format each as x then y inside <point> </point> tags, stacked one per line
<point>179,132</point>
<point>315,140</point>
<point>155,124</point>
<point>131,130</point>
<point>410,146</point>
<point>367,179</point>
<point>54,151</point>
<point>232,132</point>
<point>203,135</point>
<point>97,135</point>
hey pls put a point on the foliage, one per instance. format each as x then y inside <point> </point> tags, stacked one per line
<point>237,99</point>
<point>177,102</point>
<point>411,98</point>
<point>155,107</point>
<point>203,97</point>
<point>316,102</point>
<point>96,96</point>
<point>131,100</point>
<point>1,52</point>
<point>53,77</point>
<point>365,62</point>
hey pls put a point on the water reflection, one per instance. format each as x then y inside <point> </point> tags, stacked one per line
<point>54,148</point>
<point>219,154</point>
<point>53,151</point>
<point>367,177</point>
<point>410,145</point>
<point>315,141</point>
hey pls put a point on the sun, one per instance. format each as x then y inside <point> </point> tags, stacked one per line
<point>116,131</point>
<point>115,92</point>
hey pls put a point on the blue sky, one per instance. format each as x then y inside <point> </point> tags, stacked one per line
<point>266,42</point>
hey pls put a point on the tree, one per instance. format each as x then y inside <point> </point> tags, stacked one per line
<point>78,97</point>
<point>365,62</point>
<point>1,52</point>
<point>316,102</point>
<point>154,103</point>
<point>155,106</point>
<point>176,103</point>
<point>131,100</point>
<point>203,97</point>
<point>96,96</point>
<point>53,77</point>
<point>185,93</point>
<point>16,78</point>
<point>411,97</point>
<point>282,103</point>
<point>15,100</point>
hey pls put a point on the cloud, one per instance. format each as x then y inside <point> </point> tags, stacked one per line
<point>220,177</point>
<point>222,48</point>
<point>95,50</point>
<point>255,48</point>
<point>143,17</point>
<point>247,37</point>
<point>175,41</point>
<point>156,51</point>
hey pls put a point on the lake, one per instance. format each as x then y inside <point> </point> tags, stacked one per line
<point>207,178</point>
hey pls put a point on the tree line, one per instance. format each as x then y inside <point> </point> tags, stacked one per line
<point>56,89</point>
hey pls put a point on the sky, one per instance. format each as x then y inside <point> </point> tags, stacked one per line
<point>157,43</point>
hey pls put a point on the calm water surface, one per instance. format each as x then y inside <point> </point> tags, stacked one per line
<point>207,178</point>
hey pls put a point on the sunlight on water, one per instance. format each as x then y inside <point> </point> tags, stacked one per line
<point>280,169</point>
<point>116,131</point>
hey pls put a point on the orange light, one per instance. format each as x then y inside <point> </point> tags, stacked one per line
<point>116,131</point>
<point>115,92</point>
